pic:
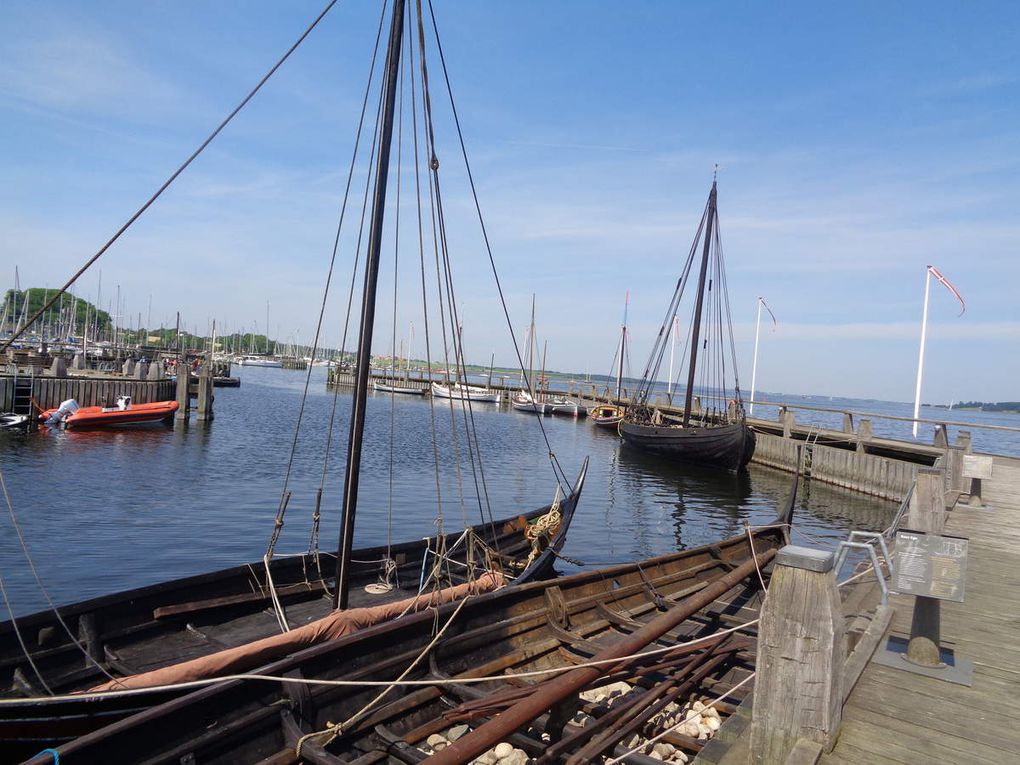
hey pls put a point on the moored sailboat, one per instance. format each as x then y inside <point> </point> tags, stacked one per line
<point>609,415</point>
<point>465,392</point>
<point>715,436</point>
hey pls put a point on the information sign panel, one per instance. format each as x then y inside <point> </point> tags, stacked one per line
<point>930,565</point>
<point>977,467</point>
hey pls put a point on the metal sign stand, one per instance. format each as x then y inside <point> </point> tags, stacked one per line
<point>932,568</point>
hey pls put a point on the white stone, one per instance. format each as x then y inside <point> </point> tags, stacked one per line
<point>456,732</point>
<point>660,751</point>
<point>711,712</point>
<point>713,723</point>
<point>697,706</point>
<point>436,740</point>
<point>502,750</point>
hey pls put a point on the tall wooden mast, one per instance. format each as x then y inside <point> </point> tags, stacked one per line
<point>696,330</point>
<point>357,428</point>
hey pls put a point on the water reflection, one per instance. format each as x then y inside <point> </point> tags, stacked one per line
<point>107,510</point>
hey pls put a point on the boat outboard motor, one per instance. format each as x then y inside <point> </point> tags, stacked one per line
<point>65,410</point>
<point>123,402</point>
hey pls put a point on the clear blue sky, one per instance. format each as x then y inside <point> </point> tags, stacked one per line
<point>856,143</point>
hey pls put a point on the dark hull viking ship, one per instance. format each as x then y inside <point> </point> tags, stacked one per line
<point>569,670</point>
<point>157,639</point>
<point>714,436</point>
<point>725,446</point>
<point>156,628</point>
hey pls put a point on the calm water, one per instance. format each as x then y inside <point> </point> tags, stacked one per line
<point>104,511</point>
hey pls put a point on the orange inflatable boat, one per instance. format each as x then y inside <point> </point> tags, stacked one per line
<point>124,413</point>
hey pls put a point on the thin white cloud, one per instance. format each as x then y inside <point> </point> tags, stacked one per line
<point>895,330</point>
<point>76,68</point>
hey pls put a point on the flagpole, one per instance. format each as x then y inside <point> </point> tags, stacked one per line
<point>920,359</point>
<point>754,365</point>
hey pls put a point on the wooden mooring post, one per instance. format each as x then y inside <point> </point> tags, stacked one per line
<point>798,691</point>
<point>204,411</point>
<point>183,395</point>
<point>927,514</point>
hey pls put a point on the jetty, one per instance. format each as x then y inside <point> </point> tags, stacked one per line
<point>852,675</point>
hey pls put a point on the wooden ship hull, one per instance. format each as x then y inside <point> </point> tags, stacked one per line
<point>164,624</point>
<point>404,389</point>
<point>611,615</point>
<point>460,392</point>
<point>567,408</point>
<point>726,446</point>
<point>606,416</point>
<point>523,402</point>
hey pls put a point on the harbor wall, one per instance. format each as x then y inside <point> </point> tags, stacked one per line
<point>856,470</point>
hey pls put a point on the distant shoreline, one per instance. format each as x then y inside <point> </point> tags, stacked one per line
<point>1001,407</point>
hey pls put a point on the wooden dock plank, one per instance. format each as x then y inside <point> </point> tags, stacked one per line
<point>895,716</point>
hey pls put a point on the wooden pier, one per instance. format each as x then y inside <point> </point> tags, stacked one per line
<point>900,717</point>
<point>882,714</point>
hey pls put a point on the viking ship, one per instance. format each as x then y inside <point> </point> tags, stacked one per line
<point>186,623</point>
<point>708,435</point>
<point>522,668</point>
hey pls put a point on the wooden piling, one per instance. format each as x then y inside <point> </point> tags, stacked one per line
<point>204,410</point>
<point>183,395</point>
<point>787,420</point>
<point>798,692</point>
<point>954,474</point>
<point>927,513</point>
<point>864,435</point>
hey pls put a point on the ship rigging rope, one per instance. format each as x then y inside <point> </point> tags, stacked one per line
<point>410,683</point>
<point>424,282</point>
<point>396,272</point>
<point>45,592</point>
<point>444,275</point>
<point>557,469</point>
<point>333,730</point>
<point>437,682</point>
<point>166,184</point>
<point>313,541</point>
<point>284,495</point>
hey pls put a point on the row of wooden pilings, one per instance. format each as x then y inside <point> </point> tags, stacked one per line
<point>809,658</point>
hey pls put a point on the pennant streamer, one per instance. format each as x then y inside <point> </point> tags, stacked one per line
<point>774,322</point>
<point>945,282</point>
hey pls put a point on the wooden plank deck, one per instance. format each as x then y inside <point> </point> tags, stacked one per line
<point>899,717</point>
